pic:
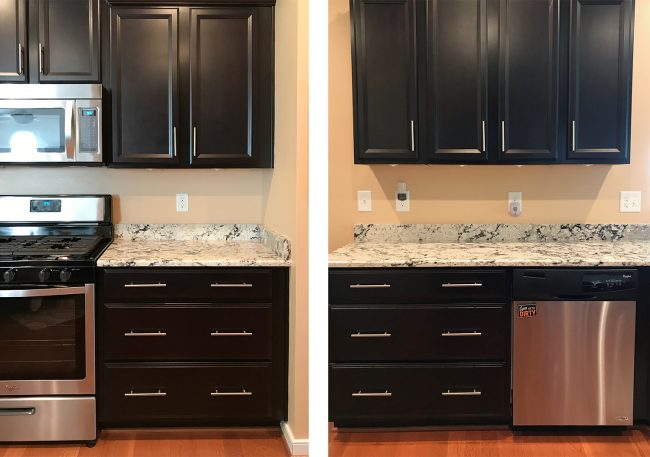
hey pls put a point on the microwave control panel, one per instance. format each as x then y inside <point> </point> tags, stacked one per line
<point>88,130</point>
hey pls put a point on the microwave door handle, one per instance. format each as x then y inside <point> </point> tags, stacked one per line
<point>70,130</point>
<point>53,292</point>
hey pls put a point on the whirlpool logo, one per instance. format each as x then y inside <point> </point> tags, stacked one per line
<point>622,418</point>
<point>10,387</point>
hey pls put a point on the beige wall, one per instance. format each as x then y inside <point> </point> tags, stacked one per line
<point>454,194</point>
<point>285,209</point>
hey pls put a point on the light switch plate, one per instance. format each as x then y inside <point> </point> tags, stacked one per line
<point>630,201</point>
<point>364,200</point>
<point>182,203</point>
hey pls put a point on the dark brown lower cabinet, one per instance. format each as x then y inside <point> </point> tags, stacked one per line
<point>192,357</point>
<point>419,346</point>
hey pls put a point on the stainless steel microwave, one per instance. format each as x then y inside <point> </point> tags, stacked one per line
<point>49,123</point>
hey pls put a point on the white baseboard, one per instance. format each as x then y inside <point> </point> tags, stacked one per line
<point>296,447</point>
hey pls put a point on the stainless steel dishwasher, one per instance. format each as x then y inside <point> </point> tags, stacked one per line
<point>573,346</point>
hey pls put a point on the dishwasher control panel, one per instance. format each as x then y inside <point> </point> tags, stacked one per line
<point>600,282</point>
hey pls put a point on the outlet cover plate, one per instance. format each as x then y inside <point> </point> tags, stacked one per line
<point>182,203</point>
<point>402,205</point>
<point>630,201</point>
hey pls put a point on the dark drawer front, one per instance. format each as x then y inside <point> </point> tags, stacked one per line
<point>403,394</point>
<point>414,286</point>
<point>159,393</point>
<point>149,332</point>
<point>219,284</point>
<point>419,334</point>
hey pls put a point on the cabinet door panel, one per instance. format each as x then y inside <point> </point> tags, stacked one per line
<point>144,56</point>
<point>529,79</point>
<point>69,36</point>
<point>600,79</point>
<point>13,41</point>
<point>231,75</point>
<point>384,66</point>
<point>457,79</point>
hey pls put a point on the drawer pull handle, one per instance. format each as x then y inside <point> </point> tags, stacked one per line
<point>369,286</point>
<point>372,394</point>
<point>144,286</point>
<point>243,393</point>
<point>371,335</point>
<point>244,333</point>
<point>242,285</point>
<point>158,333</point>
<point>456,285</point>
<point>461,334</point>
<point>468,393</point>
<point>160,393</point>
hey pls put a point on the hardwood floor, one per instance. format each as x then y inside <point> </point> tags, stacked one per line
<point>498,443</point>
<point>165,443</point>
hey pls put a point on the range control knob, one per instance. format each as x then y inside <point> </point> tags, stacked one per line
<point>44,275</point>
<point>9,275</point>
<point>65,275</point>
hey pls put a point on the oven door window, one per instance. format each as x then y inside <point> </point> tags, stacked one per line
<point>42,338</point>
<point>29,131</point>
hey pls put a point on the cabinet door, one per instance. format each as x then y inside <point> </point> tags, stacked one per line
<point>69,40</point>
<point>385,92</point>
<point>231,66</point>
<point>456,101</point>
<point>600,78</point>
<point>529,51</point>
<point>13,40</point>
<point>144,59</point>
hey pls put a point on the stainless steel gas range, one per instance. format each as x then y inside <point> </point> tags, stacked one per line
<point>49,246</point>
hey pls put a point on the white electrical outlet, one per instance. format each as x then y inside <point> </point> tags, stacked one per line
<point>402,201</point>
<point>364,200</point>
<point>514,204</point>
<point>182,203</point>
<point>630,202</point>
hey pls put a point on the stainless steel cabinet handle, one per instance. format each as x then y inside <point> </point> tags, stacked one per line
<point>503,136</point>
<point>483,135</point>
<point>369,286</point>
<point>469,393</point>
<point>469,285</point>
<point>573,135</point>
<point>40,58</point>
<point>243,393</point>
<point>412,136</point>
<point>372,394</point>
<point>158,333</point>
<point>21,70</point>
<point>461,334</point>
<point>145,286</point>
<point>146,394</point>
<point>174,132</point>
<point>243,285</point>
<point>194,142</point>
<point>370,335</point>
<point>244,333</point>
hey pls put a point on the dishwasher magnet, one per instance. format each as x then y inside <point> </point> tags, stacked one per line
<point>527,310</point>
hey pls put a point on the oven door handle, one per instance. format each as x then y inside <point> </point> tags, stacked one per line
<point>52,292</point>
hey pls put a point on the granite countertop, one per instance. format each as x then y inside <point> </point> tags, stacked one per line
<point>569,245</point>
<point>232,245</point>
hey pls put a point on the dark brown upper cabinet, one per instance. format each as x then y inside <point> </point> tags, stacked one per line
<point>69,41</point>
<point>191,87</point>
<point>231,61</point>
<point>600,87</point>
<point>44,41</point>
<point>492,81</point>
<point>144,76</point>
<point>13,40</point>
<point>457,80</point>
<point>385,89</point>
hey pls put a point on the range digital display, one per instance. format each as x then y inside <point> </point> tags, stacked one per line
<point>45,206</point>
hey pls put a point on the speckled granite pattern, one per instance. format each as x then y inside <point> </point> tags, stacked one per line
<point>273,241</point>
<point>461,233</point>
<point>504,254</point>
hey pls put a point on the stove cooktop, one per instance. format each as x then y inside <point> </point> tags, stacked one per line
<point>67,247</point>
